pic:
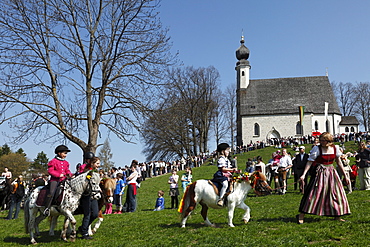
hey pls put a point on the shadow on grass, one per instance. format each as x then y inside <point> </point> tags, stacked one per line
<point>43,238</point>
<point>287,219</point>
<point>192,225</point>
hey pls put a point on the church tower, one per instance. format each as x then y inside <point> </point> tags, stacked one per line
<point>242,66</point>
<point>242,81</point>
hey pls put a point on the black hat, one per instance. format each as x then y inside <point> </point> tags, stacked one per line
<point>89,155</point>
<point>222,146</point>
<point>61,148</point>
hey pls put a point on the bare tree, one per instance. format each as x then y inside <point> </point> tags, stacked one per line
<point>181,123</point>
<point>196,88</point>
<point>166,133</point>
<point>230,112</point>
<point>70,69</point>
<point>346,97</point>
<point>363,103</point>
<point>219,120</point>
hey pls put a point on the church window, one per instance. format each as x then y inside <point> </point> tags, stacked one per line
<point>352,129</point>
<point>299,128</point>
<point>346,129</point>
<point>316,126</point>
<point>256,129</point>
<point>242,73</point>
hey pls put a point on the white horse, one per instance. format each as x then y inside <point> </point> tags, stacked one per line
<point>87,182</point>
<point>107,186</point>
<point>202,192</point>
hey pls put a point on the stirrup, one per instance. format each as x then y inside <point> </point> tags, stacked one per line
<point>46,212</point>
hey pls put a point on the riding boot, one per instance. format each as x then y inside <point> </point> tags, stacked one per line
<point>49,200</point>
<point>220,201</point>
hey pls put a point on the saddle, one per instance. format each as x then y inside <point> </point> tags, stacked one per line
<point>217,187</point>
<point>44,192</point>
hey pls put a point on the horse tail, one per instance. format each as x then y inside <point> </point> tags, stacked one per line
<point>188,200</point>
<point>26,209</point>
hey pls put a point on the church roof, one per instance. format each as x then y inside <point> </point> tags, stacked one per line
<point>349,120</point>
<point>285,95</point>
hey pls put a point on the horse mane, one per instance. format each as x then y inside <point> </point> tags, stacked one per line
<point>109,183</point>
<point>77,183</point>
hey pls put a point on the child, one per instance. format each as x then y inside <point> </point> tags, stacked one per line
<point>89,204</point>
<point>120,186</point>
<point>174,189</point>
<point>159,204</point>
<point>186,178</point>
<point>353,175</point>
<point>224,172</point>
<point>58,169</point>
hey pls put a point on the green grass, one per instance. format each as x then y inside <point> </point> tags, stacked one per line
<point>272,223</point>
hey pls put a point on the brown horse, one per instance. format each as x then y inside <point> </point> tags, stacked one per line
<point>107,186</point>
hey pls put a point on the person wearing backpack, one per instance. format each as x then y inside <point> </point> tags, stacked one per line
<point>16,197</point>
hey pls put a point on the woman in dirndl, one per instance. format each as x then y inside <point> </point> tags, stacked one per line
<point>324,195</point>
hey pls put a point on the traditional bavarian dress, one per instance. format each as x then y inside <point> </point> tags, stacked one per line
<point>220,176</point>
<point>325,195</point>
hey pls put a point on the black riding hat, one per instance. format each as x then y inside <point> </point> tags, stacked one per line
<point>222,146</point>
<point>89,155</point>
<point>61,148</point>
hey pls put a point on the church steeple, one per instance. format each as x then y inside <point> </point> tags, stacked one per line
<point>242,53</point>
<point>242,66</point>
<point>242,80</point>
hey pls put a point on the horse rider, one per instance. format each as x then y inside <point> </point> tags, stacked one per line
<point>58,169</point>
<point>224,173</point>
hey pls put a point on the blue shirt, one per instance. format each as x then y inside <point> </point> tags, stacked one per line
<point>159,203</point>
<point>120,186</point>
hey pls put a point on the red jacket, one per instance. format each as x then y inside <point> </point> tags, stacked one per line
<point>56,167</point>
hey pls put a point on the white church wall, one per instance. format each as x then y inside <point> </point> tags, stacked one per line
<point>285,125</point>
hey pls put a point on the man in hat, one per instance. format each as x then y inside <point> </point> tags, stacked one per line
<point>299,164</point>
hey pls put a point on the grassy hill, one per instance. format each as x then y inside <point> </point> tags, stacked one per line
<point>272,224</point>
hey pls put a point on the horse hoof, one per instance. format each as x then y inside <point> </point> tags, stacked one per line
<point>73,240</point>
<point>246,221</point>
<point>33,242</point>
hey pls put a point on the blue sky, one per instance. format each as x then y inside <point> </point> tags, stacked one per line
<point>286,38</point>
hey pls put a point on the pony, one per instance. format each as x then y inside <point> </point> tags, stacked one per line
<point>202,192</point>
<point>107,186</point>
<point>87,182</point>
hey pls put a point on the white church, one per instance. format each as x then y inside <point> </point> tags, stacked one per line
<point>285,107</point>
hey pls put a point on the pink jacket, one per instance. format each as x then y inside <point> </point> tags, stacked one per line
<point>83,169</point>
<point>57,167</point>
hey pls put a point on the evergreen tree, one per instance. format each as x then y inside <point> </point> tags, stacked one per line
<point>40,162</point>
<point>5,150</point>
<point>105,154</point>
<point>21,151</point>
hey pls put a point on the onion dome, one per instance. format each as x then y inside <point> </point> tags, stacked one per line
<point>242,52</point>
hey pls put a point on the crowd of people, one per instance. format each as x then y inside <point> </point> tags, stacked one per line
<point>312,171</point>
